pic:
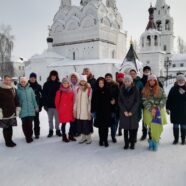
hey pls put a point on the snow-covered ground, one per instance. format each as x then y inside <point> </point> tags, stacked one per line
<point>50,162</point>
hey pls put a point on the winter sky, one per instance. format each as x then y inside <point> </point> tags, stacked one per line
<point>30,19</point>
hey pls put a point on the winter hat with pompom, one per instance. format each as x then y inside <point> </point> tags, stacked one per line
<point>152,77</point>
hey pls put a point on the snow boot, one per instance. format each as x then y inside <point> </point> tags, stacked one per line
<point>65,139</point>
<point>71,138</point>
<point>114,140</point>
<point>89,139</point>
<point>100,143</point>
<point>50,134</point>
<point>155,146</point>
<point>120,132</point>
<point>83,139</point>
<point>176,135</point>
<point>58,133</point>
<point>183,133</point>
<point>150,144</point>
<point>7,133</point>
<point>126,139</point>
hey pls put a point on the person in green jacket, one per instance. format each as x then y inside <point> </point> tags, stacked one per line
<point>28,106</point>
<point>154,113</point>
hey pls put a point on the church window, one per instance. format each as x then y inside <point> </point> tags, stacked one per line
<point>148,62</point>
<point>181,65</point>
<point>113,54</point>
<point>74,56</point>
<point>148,40</point>
<point>156,40</point>
<point>159,12</point>
<point>167,25</point>
<point>174,65</point>
<point>165,48</point>
<point>143,44</point>
<point>159,26</point>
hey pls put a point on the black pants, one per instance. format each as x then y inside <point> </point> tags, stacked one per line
<point>103,134</point>
<point>8,133</point>
<point>71,130</point>
<point>37,124</point>
<point>130,136</point>
<point>27,127</point>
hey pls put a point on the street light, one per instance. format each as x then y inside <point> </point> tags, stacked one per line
<point>168,63</point>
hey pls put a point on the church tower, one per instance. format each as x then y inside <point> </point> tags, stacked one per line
<point>165,24</point>
<point>151,53</point>
<point>65,3</point>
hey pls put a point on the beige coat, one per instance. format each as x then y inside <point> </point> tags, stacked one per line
<point>82,105</point>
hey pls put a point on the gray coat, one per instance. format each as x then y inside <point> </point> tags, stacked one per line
<point>129,101</point>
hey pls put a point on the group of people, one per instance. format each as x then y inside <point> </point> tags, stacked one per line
<point>84,102</point>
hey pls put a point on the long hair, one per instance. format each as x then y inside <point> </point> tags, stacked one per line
<point>53,73</point>
<point>155,90</point>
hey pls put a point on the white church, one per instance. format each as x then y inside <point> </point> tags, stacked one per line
<point>92,35</point>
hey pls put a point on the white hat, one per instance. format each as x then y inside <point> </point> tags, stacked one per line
<point>83,78</point>
<point>23,79</point>
<point>180,77</point>
<point>128,78</point>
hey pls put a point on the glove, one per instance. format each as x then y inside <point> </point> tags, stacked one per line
<point>1,113</point>
<point>18,110</point>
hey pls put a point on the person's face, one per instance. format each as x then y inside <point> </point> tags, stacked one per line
<point>53,78</point>
<point>66,85</point>
<point>108,79</point>
<point>152,83</point>
<point>101,84</point>
<point>23,83</point>
<point>8,81</point>
<point>83,83</point>
<point>87,72</point>
<point>120,80</point>
<point>127,83</point>
<point>32,79</point>
<point>147,72</point>
<point>73,78</point>
<point>133,74</point>
<point>181,82</point>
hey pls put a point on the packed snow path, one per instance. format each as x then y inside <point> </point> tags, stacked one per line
<point>48,162</point>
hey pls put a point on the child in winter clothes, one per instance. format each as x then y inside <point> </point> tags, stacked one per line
<point>64,102</point>
<point>154,114</point>
<point>82,110</point>
<point>176,106</point>
<point>28,106</point>
<point>102,109</point>
<point>129,100</point>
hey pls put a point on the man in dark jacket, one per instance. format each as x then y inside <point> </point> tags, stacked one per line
<point>114,92</point>
<point>38,93</point>
<point>49,93</point>
<point>90,77</point>
<point>9,109</point>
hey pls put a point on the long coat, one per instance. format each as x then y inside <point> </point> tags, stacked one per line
<point>176,103</point>
<point>101,106</point>
<point>64,103</point>
<point>129,102</point>
<point>27,101</point>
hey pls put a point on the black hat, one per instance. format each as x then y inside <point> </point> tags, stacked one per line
<point>33,75</point>
<point>108,74</point>
<point>146,68</point>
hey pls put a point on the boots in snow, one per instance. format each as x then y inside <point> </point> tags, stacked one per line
<point>58,133</point>
<point>106,144</point>
<point>7,133</point>
<point>120,132</point>
<point>155,145</point>
<point>83,139</point>
<point>50,134</point>
<point>126,139</point>
<point>65,139</point>
<point>176,136</point>
<point>183,133</point>
<point>114,140</point>
<point>89,139</point>
<point>71,138</point>
<point>150,144</point>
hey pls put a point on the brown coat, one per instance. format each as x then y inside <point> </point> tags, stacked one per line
<point>8,101</point>
<point>129,102</point>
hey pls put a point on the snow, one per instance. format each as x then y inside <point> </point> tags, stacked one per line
<point>48,162</point>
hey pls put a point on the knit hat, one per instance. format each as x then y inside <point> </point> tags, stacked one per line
<point>146,68</point>
<point>180,77</point>
<point>23,79</point>
<point>83,78</point>
<point>120,75</point>
<point>152,77</point>
<point>128,78</point>
<point>65,80</point>
<point>108,75</point>
<point>33,75</point>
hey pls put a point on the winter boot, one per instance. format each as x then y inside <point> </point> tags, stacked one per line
<point>176,135</point>
<point>89,139</point>
<point>100,143</point>
<point>83,139</point>
<point>50,134</point>
<point>120,132</point>
<point>58,133</point>
<point>183,133</point>
<point>106,143</point>
<point>65,139</point>
<point>114,140</point>
<point>155,145</point>
<point>29,140</point>
<point>126,139</point>
<point>150,144</point>
<point>71,138</point>
<point>7,133</point>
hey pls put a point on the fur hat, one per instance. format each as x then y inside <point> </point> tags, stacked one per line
<point>152,77</point>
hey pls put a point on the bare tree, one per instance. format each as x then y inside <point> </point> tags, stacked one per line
<point>181,45</point>
<point>6,47</point>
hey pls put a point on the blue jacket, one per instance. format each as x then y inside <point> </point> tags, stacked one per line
<point>27,101</point>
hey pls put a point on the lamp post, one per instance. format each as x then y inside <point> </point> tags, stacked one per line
<point>168,63</point>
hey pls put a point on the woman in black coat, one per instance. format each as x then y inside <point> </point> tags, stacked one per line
<point>129,100</point>
<point>101,109</point>
<point>176,106</point>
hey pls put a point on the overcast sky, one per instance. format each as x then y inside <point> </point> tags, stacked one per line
<point>30,19</point>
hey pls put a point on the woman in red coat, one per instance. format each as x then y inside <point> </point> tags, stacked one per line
<point>64,102</point>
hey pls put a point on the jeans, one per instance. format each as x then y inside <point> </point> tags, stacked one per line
<point>52,113</point>
<point>114,125</point>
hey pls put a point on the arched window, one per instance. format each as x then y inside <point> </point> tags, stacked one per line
<point>149,40</point>
<point>142,42</point>
<point>74,56</point>
<point>167,25</point>
<point>159,26</point>
<point>113,54</point>
<point>156,40</point>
